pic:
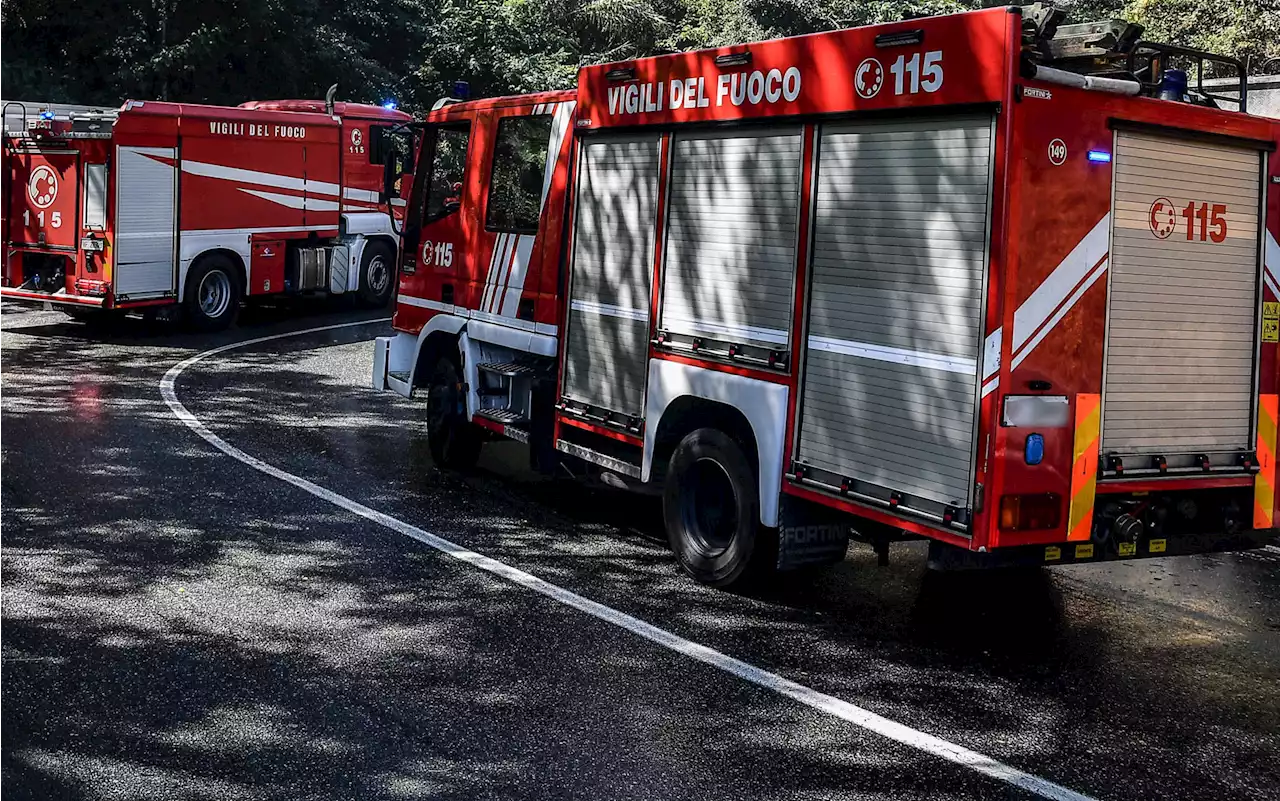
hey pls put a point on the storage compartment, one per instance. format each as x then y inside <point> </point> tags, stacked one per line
<point>890,384</point>
<point>1182,302</point>
<point>611,277</point>
<point>730,258</point>
<point>266,272</point>
<point>146,222</point>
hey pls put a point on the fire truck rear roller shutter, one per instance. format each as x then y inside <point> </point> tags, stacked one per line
<point>1181,330</point>
<point>612,272</point>
<point>731,235</point>
<point>95,197</point>
<point>145,221</point>
<point>899,256</point>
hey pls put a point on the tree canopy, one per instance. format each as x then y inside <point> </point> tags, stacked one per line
<point>228,51</point>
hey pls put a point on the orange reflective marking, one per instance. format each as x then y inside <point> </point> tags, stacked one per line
<point>1084,467</point>
<point>1264,483</point>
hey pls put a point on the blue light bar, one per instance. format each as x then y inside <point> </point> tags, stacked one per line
<point>1100,156</point>
<point>46,115</point>
<point>390,105</point>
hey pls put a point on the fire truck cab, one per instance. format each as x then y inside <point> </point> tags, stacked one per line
<point>987,279</point>
<point>161,206</point>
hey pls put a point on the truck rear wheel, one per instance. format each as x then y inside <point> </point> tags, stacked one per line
<point>711,507</point>
<point>454,442</point>
<point>212,295</point>
<point>377,275</point>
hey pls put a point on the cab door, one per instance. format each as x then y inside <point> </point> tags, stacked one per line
<point>437,260</point>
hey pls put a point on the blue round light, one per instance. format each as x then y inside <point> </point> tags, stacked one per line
<point>390,105</point>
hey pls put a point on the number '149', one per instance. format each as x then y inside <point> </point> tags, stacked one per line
<point>1207,216</point>
<point>55,219</point>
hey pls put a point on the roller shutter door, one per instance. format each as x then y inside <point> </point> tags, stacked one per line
<point>1182,308</point>
<point>899,257</point>
<point>729,267</point>
<point>146,216</point>
<point>612,273</point>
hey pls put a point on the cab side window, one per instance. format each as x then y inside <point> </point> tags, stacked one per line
<point>448,170</point>
<point>519,166</point>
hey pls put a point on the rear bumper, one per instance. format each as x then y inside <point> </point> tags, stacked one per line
<point>27,296</point>
<point>393,359</point>
<point>949,557</point>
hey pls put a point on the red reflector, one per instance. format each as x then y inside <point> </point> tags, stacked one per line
<point>1030,512</point>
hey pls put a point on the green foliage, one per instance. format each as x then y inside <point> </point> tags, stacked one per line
<point>228,51</point>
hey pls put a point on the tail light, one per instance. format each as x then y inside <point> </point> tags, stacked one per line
<point>1030,512</point>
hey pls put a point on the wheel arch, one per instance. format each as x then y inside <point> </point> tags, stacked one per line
<point>684,397</point>
<point>438,336</point>
<point>239,271</point>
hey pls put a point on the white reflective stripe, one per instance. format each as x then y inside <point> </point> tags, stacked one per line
<point>472,314</point>
<point>514,291</point>
<point>991,353</point>
<point>990,387</point>
<point>1089,281</point>
<point>731,331</point>
<point>423,303</point>
<point>294,201</point>
<point>884,353</point>
<point>1061,283</point>
<point>497,265</point>
<point>609,310</point>
<point>255,177</point>
<point>246,231</point>
<point>399,203</point>
<point>1271,263</point>
<point>360,194</point>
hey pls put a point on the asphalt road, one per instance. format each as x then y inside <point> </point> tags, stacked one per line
<point>177,624</point>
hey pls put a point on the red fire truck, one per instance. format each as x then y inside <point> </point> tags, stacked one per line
<point>986,278</point>
<point>175,205</point>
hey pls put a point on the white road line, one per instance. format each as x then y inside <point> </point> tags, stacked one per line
<point>822,702</point>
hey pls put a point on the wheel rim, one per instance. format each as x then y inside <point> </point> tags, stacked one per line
<point>711,507</point>
<point>214,293</point>
<point>379,274</point>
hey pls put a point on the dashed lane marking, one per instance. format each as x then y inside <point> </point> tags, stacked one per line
<point>858,716</point>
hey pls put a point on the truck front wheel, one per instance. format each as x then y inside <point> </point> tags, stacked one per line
<point>712,510</point>
<point>377,275</point>
<point>454,442</point>
<point>212,294</point>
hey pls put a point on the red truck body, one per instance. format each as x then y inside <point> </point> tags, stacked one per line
<point>114,209</point>
<point>921,291</point>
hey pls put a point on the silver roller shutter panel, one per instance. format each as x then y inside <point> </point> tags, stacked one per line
<point>899,259</point>
<point>145,222</point>
<point>729,266</point>
<point>612,272</point>
<point>1181,326</point>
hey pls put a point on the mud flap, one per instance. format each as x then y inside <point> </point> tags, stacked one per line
<point>809,534</point>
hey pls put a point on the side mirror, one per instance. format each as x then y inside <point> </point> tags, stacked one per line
<point>389,179</point>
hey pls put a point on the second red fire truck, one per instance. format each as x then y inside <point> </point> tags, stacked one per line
<point>158,207</point>
<point>987,279</point>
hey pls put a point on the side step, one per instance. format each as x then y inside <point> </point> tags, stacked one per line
<point>510,423</point>
<point>598,458</point>
<point>509,369</point>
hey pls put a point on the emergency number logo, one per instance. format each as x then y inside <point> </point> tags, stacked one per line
<point>42,188</point>
<point>868,79</point>
<point>1162,218</point>
<point>357,141</point>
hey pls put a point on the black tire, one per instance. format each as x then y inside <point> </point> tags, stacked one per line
<point>377,275</point>
<point>454,442</point>
<point>711,507</point>
<point>212,296</point>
